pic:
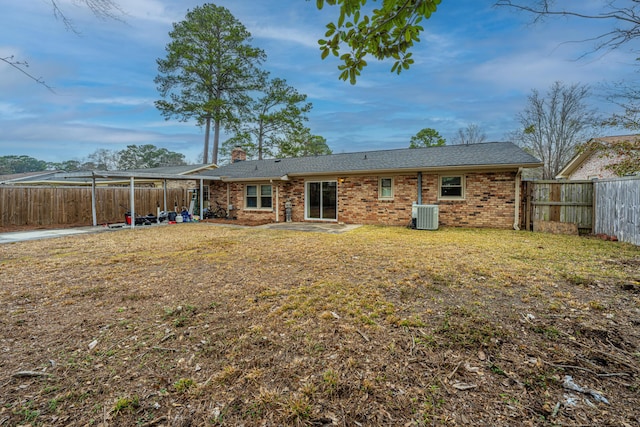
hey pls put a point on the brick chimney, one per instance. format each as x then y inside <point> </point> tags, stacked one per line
<point>238,155</point>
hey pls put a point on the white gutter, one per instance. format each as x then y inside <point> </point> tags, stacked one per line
<point>277,203</point>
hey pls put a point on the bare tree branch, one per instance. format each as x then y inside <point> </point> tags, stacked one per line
<point>552,126</point>
<point>472,134</point>
<point>626,19</point>
<point>103,9</point>
<point>21,66</point>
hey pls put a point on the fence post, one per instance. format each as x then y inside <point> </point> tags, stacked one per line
<point>94,214</point>
<point>527,195</point>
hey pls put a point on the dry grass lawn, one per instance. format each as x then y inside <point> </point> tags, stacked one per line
<point>196,324</point>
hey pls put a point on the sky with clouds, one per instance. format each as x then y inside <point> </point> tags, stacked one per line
<point>475,64</point>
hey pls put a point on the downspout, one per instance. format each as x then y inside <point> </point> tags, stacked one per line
<point>419,188</point>
<point>278,203</point>
<point>229,200</point>
<point>164,194</point>
<point>201,201</point>
<point>516,219</point>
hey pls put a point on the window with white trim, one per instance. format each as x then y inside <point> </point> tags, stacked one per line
<point>258,196</point>
<point>452,187</point>
<point>385,188</point>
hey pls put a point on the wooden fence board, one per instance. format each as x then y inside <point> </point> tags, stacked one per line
<point>560,201</point>
<point>44,206</point>
<point>618,208</point>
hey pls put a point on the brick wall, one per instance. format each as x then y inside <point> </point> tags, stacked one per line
<point>359,202</point>
<point>594,167</point>
<point>489,200</point>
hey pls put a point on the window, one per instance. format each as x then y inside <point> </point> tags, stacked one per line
<point>452,187</point>
<point>258,197</point>
<point>265,196</point>
<point>385,188</point>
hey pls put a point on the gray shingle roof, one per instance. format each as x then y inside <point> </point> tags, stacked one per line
<point>448,156</point>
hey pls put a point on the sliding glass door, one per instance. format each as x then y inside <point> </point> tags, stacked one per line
<point>321,200</point>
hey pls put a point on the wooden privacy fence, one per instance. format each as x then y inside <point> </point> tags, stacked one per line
<point>20,206</point>
<point>618,208</point>
<point>559,201</point>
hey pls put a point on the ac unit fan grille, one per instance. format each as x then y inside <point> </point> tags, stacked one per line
<point>426,217</point>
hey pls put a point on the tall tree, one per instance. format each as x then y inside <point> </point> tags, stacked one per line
<point>386,32</point>
<point>427,137</point>
<point>301,143</point>
<point>277,111</point>
<point>552,126</point>
<point>148,156</point>
<point>104,159</point>
<point>472,134</point>
<point>209,70</point>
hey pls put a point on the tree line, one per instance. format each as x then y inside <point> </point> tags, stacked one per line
<point>133,157</point>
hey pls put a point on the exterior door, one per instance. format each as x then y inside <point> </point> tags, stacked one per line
<point>321,200</point>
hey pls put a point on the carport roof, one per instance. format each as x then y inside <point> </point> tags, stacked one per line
<point>187,172</point>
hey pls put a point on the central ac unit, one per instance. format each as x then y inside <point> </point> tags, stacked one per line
<point>425,217</point>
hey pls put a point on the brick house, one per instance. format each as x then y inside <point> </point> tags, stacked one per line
<point>476,185</point>
<point>587,164</point>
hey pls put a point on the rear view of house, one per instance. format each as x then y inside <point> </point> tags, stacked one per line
<point>475,185</point>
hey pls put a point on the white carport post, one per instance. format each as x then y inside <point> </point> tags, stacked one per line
<point>93,200</point>
<point>201,198</point>
<point>132,204</point>
<point>164,188</point>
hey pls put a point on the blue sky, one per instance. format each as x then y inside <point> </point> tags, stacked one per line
<point>475,64</point>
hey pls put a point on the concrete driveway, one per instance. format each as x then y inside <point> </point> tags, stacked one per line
<point>20,236</point>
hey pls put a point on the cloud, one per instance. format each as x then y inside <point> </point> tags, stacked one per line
<point>10,111</point>
<point>121,100</point>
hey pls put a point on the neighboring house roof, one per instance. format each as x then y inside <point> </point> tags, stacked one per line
<point>484,156</point>
<point>27,177</point>
<point>587,164</point>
